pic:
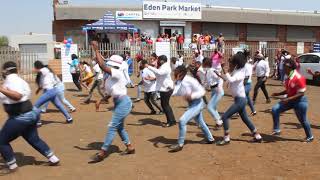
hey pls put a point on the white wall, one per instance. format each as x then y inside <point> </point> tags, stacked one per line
<point>48,39</point>
<point>150,27</point>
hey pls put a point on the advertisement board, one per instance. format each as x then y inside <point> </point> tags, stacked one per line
<point>129,15</point>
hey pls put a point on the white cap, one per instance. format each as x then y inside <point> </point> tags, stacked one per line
<point>115,60</point>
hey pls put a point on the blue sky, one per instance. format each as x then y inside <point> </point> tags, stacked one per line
<point>22,16</point>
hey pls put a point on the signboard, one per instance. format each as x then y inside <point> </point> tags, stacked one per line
<point>300,47</point>
<point>316,47</point>
<point>65,59</point>
<point>171,10</point>
<point>129,15</point>
<point>163,48</point>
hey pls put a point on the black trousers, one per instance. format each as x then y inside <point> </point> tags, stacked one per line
<point>150,99</point>
<point>260,84</point>
<point>76,80</point>
<point>165,104</point>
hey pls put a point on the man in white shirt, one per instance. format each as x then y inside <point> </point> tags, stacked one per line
<point>98,79</point>
<point>149,83</point>
<point>262,70</point>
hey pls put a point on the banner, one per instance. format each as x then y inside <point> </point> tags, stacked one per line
<point>300,47</point>
<point>129,15</point>
<point>171,10</point>
<point>163,48</point>
<point>65,59</point>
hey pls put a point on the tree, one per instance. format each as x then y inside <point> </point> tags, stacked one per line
<point>4,41</point>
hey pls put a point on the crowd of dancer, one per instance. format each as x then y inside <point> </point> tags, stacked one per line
<point>111,77</point>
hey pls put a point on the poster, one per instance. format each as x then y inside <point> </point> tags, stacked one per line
<point>171,10</point>
<point>163,48</point>
<point>300,47</point>
<point>65,59</point>
<point>129,15</point>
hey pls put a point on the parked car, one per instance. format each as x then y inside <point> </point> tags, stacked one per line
<point>312,61</point>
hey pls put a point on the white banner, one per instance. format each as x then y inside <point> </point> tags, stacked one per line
<point>163,48</point>
<point>65,59</point>
<point>171,10</point>
<point>129,15</point>
<point>300,47</point>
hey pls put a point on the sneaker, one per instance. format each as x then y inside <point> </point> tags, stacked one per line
<point>137,100</point>
<point>276,133</point>
<point>153,112</point>
<point>69,121</point>
<point>206,141</point>
<point>39,123</point>
<point>309,140</point>
<point>73,110</point>
<point>160,113</point>
<point>98,157</point>
<point>254,113</point>
<point>223,143</point>
<point>175,148</point>
<point>268,101</point>
<point>43,110</point>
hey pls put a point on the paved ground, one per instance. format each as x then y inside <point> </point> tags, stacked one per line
<point>284,157</point>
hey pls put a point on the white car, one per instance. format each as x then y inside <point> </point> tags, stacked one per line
<point>309,60</point>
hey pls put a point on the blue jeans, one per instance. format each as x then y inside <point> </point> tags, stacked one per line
<point>212,105</point>
<point>194,112</point>
<point>139,90</point>
<point>61,97</point>
<point>282,74</point>
<point>122,108</point>
<point>239,106</point>
<point>23,125</point>
<point>247,88</point>
<point>52,95</point>
<point>300,107</point>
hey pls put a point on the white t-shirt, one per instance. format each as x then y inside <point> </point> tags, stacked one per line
<point>48,80</point>
<point>236,82</point>
<point>262,68</point>
<point>125,70</point>
<point>248,71</point>
<point>15,83</point>
<point>87,68</point>
<point>163,74</point>
<point>115,84</point>
<point>212,79</point>
<point>98,72</point>
<point>189,86</point>
<point>149,86</point>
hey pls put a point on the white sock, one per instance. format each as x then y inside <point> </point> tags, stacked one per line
<point>53,159</point>
<point>13,166</point>
<point>257,136</point>
<point>227,138</point>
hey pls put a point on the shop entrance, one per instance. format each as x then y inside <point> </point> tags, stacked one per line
<point>171,30</point>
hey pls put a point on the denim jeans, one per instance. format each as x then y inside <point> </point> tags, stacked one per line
<point>212,105</point>
<point>62,98</point>
<point>247,88</point>
<point>139,90</point>
<point>122,108</point>
<point>300,107</point>
<point>239,106</point>
<point>23,125</point>
<point>52,95</point>
<point>194,112</point>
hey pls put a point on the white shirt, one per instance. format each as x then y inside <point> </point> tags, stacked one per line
<point>98,72</point>
<point>149,86</point>
<point>125,69</point>
<point>115,84</point>
<point>87,68</point>
<point>48,80</point>
<point>201,73</point>
<point>248,71</point>
<point>212,79</point>
<point>189,86</point>
<point>163,74</point>
<point>262,68</point>
<point>15,83</point>
<point>178,63</point>
<point>236,82</point>
<point>199,58</point>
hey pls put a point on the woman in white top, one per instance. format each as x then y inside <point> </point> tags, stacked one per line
<point>115,86</point>
<point>165,87</point>
<point>149,83</point>
<point>235,77</point>
<point>22,118</point>
<point>193,92</point>
<point>47,81</point>
<point>98,80</point>
<point>215,84</point>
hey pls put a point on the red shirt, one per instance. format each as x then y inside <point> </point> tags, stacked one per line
<point>295,83</point>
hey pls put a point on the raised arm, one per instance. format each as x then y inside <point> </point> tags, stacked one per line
<point>99,58</point>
